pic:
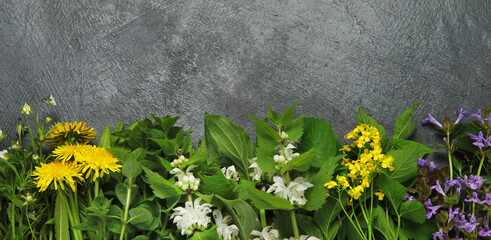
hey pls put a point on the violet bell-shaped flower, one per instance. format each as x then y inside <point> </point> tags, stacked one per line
<point>480,141</point>
<point>431,120</point>
<point>430,209</point>
<point>484,232</point>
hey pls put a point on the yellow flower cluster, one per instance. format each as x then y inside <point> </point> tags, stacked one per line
<point>73,160</point>
<point>369,160</point>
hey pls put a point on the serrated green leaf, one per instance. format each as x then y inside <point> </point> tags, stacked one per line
<point>325,216</point>
<point>140,215</point>
<point>287,116</point>
<point>393,190</point>
<point>209,234</point>
<point>364,118</point>
<point>61,217</point>
<point>317,194</point>
<point>405,163</point>
<point>300,163</point>
<point>384,223</point>
<point>320,135</point>
<point>162,188</point>
<point>273,117</point>
<point>136,137</point>
<point>263,200</point>
<point>413,210</point>
<point>401,143</point>
<point>231,140</point>
<point>295,128</point>
<point>265,151</point>
<point>217,184</point>
<point>131,169</point>
<point>168,146</point>
<point>105,140</point>
<point>416,231</point>
<point>404,126</point>
<point>265,131</point>
<point>245,218</point>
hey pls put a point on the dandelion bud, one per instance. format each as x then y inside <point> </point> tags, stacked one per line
<point>29,198</point>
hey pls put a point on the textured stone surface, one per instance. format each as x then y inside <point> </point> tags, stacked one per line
<point>107,61</point>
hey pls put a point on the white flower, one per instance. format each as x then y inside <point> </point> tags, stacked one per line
<point>26,109</point>
<point>177,162</point>
<point>285,155</point>
<point>294,192</point>
<point>192,217</point>
<point>302,237</point>
<point>268,233</point>
<point>51,101</point>
<point>2,136</point>
<point>225,231</point>
<point>186,180</point>
<point>230,173</point>
<point>284,135</point>
<point>2,154</point>
<point>256,174</point>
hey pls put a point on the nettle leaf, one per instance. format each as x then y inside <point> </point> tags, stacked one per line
<point>384,223</point>
<point>401,143</point>
<point>413,210</point>
<point>325,217</point>
<point>417,231</point>
<point>287,116</point>
<point>273,117</point>
<point>217,184</point>
<point>264,130</point>
<point>245,217</point>
<point>320,135</point>
<point>263,200</point>
<point>136,138</point>
<point>265,151</point>
<point>405,163</point>
<point>166,123</point>
<point>131,169</point>
<point>364,118</point>
<point>305,224</point>
<point>140,215</point>
<point>231,140</point>
<point>209,234</point>
<point>162,188</point>
<point>168,146</point>
<point>393,190</point>
<point>300,163</point>
<point>317,194</point>
<point>295,128</point>
<point>404,126</point>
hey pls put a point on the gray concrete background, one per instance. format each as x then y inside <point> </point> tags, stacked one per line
<point>106,61</point>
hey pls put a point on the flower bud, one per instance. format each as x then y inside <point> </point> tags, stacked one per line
<point>35,157</point>
<point>48,120</point>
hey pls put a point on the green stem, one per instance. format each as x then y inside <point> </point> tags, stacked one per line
<point>366,217</point>
<point>29,223</point>
<point>351,220</point>
<point>262,213</point>
<point>294,224</point>
<point>449,156</point>
<point>12,220</point>
<point>478,174</point>
<point>32,136</point>
<point>73,215</point>
<point>96,188</point>
<point>126,209</point>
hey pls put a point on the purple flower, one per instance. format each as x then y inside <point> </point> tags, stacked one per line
<point>462,115</point>
<point>463,224</point>
<point>488,119</point>
<point>487,200</point>
<point>480,141</point>
<point>438,188</point>
<point>439,235</point>
<point>453,213</point>
<point>474,199</point>
<point>430,209</point>
<point>473,182</point>
<point>457,182</point>
<point>422,162</point>
<point>409,198</point>
<point>431,120</point>
<point>484,232</point>
<point>478,115</point>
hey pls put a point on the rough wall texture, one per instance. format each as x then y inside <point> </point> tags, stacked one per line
<point>106,61</point>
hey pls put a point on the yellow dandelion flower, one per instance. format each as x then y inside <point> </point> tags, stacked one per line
<point>74,132</point>
<point>66,152</point>
<point>330,184</point>
<point>97,160</point>
<point>59,173</point>
<point>380,195</point>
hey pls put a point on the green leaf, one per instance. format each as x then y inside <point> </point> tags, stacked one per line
<point>216,184</point>
<point>61,217</point>
<point>413,210</point>
<point>283,223</point>
<point>162,188</point>
<point>304,222</point>
<point>166,123</point>
<point>404,126</point>
<point>245,218</point>
<point>287,116</point>
<point>300,163</point>
<point>231,140</point>
<point>316,195</point>
<point>393,190</point>
<point>140,215</point>
<point>295,128</point>
<point>364,118</point>
<point>141,237</point>
<point>115,225</point>
<point>401,143</point>
<point>136,137</point>
<point>416,231</point>
<point>105,140</point>
<point>210,234</point>
<point>122,192</point>
<point>405,163</point>
<point>169,147</point>
<point>273,117</point>
<point>131,169</point>
<point>320,135</point>
<point>384,223</point>
<point>264,130</point>
<point>263,200</point>
<point>325,216</point>
<point>91,224</point>
<point>265,151</point>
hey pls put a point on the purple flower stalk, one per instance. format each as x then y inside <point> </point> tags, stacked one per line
<point>431,120</point>
<point>462,114</point>
<point>468,226</point>
<point>422,162</point>
<point>457,182</point>
<point>438,188</point>
<point>487,199</point>
<point>453,213</point>
<point>474,199</point>
<point>473,182</point>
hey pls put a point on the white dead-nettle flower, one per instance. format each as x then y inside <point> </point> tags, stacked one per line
<point>192,217</point>
<point>186,180</point>
<point>302,237</point>
<point>284,135</point>
<point>26,109</point>
<point>225,231</point>
<point>268,233</point>
<point>180,160</point>
<point>51,101</point>
<point>2,153</point>
<point>294,192</point>
<point>285,155</point>
<point>230,173</point>
<point>257,172</point>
